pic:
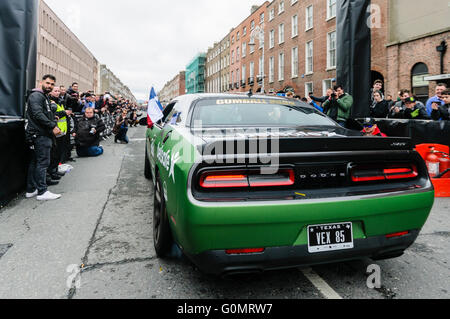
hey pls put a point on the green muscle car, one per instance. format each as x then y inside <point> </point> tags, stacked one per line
<point>254,183</point>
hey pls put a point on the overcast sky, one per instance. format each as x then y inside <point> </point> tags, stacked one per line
<point>147,42</point>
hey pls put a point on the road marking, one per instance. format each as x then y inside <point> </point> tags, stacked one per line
<point>137,139</point>
<point>320,284</point>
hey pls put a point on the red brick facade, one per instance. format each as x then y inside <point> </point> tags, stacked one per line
<point>401,59</point>
<point>173,88</point>
<point>321,26</point>
<point>391,62</point>
<point>240,37</point>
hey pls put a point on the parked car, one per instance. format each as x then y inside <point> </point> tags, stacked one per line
<point>254,183</point>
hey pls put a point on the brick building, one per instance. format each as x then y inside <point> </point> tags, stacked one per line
<point>405,34</point>
<point>416,30</point>
<point>62,54</point>
<point>301,49</point>
<point>301,46</point>
<point>218,66</point>
<point>109,82</point>
<point>174,88</point>
<point>245,59</point>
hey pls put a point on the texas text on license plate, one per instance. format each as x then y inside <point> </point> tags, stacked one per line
<point>330,237</point>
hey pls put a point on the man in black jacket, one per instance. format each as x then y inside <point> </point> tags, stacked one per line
<point>72,101</point>
<point>88,134</point>
<point>41,130</point>
<point>441,112</point>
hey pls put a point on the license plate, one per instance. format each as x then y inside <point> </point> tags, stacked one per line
<point>330,237</point>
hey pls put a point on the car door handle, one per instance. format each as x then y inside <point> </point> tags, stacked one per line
<point>167,137</point>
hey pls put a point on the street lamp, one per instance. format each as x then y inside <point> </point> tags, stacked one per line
<point>259,31</point>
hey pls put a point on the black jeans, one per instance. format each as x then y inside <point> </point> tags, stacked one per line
<point>57,154</point>
<point>40,161</point>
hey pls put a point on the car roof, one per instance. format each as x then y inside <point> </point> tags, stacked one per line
<point>201,96</point>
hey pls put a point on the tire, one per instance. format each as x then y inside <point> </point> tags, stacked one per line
<point>147,169</point>
<point>162,235</point>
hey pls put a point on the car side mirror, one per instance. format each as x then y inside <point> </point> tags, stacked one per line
<point>143,121</point>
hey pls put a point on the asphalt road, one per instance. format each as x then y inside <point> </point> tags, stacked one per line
<point>103,224</point>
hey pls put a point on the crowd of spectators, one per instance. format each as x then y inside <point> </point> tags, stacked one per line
<point>337,104</point>
<point>409,107</point>
<point>60,120</point>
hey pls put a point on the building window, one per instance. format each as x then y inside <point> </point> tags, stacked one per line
<point>331,9</point>
<point>281,33</point>
<point>271,14</point>
<point>309,88</point>
<point>244,73</point>
<point>326,85</point>
<point>309,57</point>
<point>261,18</point>
<point>271,69</point>
<point>232,39</point>
<point>294,66</point>
<point>295,26</point>
<point>309,17</point>
<point>232,57</point>
<point>237,54</point>
<point>252,25</point>
<point>281,67</point>
<point>245,31</point>
<point>252,69</point>
<point>331,50</point>
<point>272,38</point>
<point>281,7</point>
<point>244,49</point>
<point>420,87</point>
<point>238,36</point>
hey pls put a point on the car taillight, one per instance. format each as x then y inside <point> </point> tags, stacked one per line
<point>239,179</point>
<point>216,180</point>
<point>396,235</point>
<point>244,251</point>
<point>372,173</point>
<point>401,173</point>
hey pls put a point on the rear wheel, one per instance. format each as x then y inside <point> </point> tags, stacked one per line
<point>162,236</point>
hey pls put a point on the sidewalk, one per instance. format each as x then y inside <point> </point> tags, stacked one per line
<point>40,240</point>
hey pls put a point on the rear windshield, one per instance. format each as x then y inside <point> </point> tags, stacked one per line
<point>256,112</point>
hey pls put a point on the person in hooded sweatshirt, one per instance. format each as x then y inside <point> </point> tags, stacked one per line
<point>380,108</point>
<point>41,129</point>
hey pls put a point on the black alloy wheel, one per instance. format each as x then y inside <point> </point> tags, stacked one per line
<point>162,235</point>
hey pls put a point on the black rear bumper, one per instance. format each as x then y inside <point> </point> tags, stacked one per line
<point>219,263</point>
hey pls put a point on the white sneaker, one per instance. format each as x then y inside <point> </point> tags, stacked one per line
<point>31,195</point>
<point>48,196</point>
